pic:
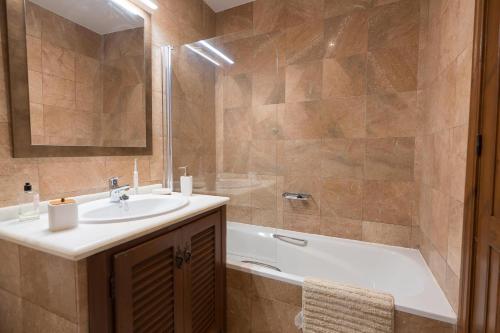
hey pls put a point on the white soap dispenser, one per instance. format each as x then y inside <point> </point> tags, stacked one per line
<point>186,182</point>
<point>136,178</point>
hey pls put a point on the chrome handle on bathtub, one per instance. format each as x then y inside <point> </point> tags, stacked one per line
<point>291,240</point>
<point>261,264</point>
<point>296,196</point>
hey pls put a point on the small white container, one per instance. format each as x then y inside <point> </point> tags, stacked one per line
<point>186,183</point>
<point>63,214</point>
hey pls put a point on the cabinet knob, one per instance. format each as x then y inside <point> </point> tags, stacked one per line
<point>187,254</point>
<point>179,258</point>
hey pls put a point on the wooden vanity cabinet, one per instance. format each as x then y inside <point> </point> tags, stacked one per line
<point>171,281</point>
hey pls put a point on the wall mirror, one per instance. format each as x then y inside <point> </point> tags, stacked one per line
<point>80,77</point>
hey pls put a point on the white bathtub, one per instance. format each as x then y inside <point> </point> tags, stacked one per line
<point>396,270</point>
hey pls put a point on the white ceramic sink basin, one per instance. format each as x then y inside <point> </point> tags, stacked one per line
<point>137,207</point>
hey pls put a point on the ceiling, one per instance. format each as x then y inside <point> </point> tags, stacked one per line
<point>101,16</point>
<point>220,5</point>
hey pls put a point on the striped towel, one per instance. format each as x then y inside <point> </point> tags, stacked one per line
<point>330,307</point>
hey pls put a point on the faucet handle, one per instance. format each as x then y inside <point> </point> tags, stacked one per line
<point>113,183</point>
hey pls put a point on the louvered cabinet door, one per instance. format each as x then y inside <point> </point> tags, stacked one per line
<point>148,287</point>
<point>203,276</point>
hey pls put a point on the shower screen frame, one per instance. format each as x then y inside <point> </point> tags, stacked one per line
<point>166,57</point>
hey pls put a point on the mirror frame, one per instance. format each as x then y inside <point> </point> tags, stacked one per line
<point>19,95</point>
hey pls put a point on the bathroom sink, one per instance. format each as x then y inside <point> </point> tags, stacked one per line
<point>137,207</point>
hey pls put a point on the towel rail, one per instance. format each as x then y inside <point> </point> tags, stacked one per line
<point>296,196</point>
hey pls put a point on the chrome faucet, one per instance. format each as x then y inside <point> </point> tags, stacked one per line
<point>116,192</point>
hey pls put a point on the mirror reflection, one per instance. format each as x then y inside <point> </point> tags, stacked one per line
<point>86,73</point>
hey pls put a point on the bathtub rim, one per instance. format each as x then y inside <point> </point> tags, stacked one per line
<point>234,262</point>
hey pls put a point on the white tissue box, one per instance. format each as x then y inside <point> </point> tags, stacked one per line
<point>63,214</point>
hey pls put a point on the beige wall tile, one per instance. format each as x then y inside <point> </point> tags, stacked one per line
<point>344,77</point>
<point>394,25</point>
<point>344,117</point>
<point>455,229</point>
<point>342,198</point>
<point>10,272</point>
<point>268,52</point>
<point>267,217</point>
<point>269,15</point>
<point>268,88</point>
<point>33,20</point>
<point>237,124</point>
<point>58,30</point>
<point>343,158</point>
<point>37,319</point>
<point>343,7</point>
<point>236,19</point>
<point>302,223</point>
<point>301,11</point>
<point>303,82</point>
<point>346,35</point>
<point>302,121</point>
<point>273,316</point>
<point>267,121</point>
<point>239,315</point>
<point>58,62</point>
<point>11,313</point>
<point>58,122</point>
<point>35,87</point>
<point>86,174</point>
<point>239,214</point>
<point>48,281</point>
<point>408,323</point>
<point>237,91</point>
<point>388,202</point>
<point>263,192</point>
<point>36,119</point>
<point>451,287</point>
<point>299,157</point>
<point>82,296</point>
<point>383,233</point>
<point>458,162</point>
<point>34,49</point>
<point>341,227</point>
<point>241,51</point>
<point>392,70</point>
<point>262,157</point>
<point>272,289</point>
<point>440,210</point>
<point>390,159</point>
<point>121,44</point>
<point>305,43</point>
<point>87,70</point>
<point>392,115</point>
<point>236,156</point>
<point>58,92</point>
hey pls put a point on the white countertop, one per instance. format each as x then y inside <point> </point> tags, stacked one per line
<point>88,239</point>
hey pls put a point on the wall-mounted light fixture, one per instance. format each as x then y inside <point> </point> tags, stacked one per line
<point>195,50</point>
<point>217,52</point>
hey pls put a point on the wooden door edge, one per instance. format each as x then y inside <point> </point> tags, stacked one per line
<point>471,180</point>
